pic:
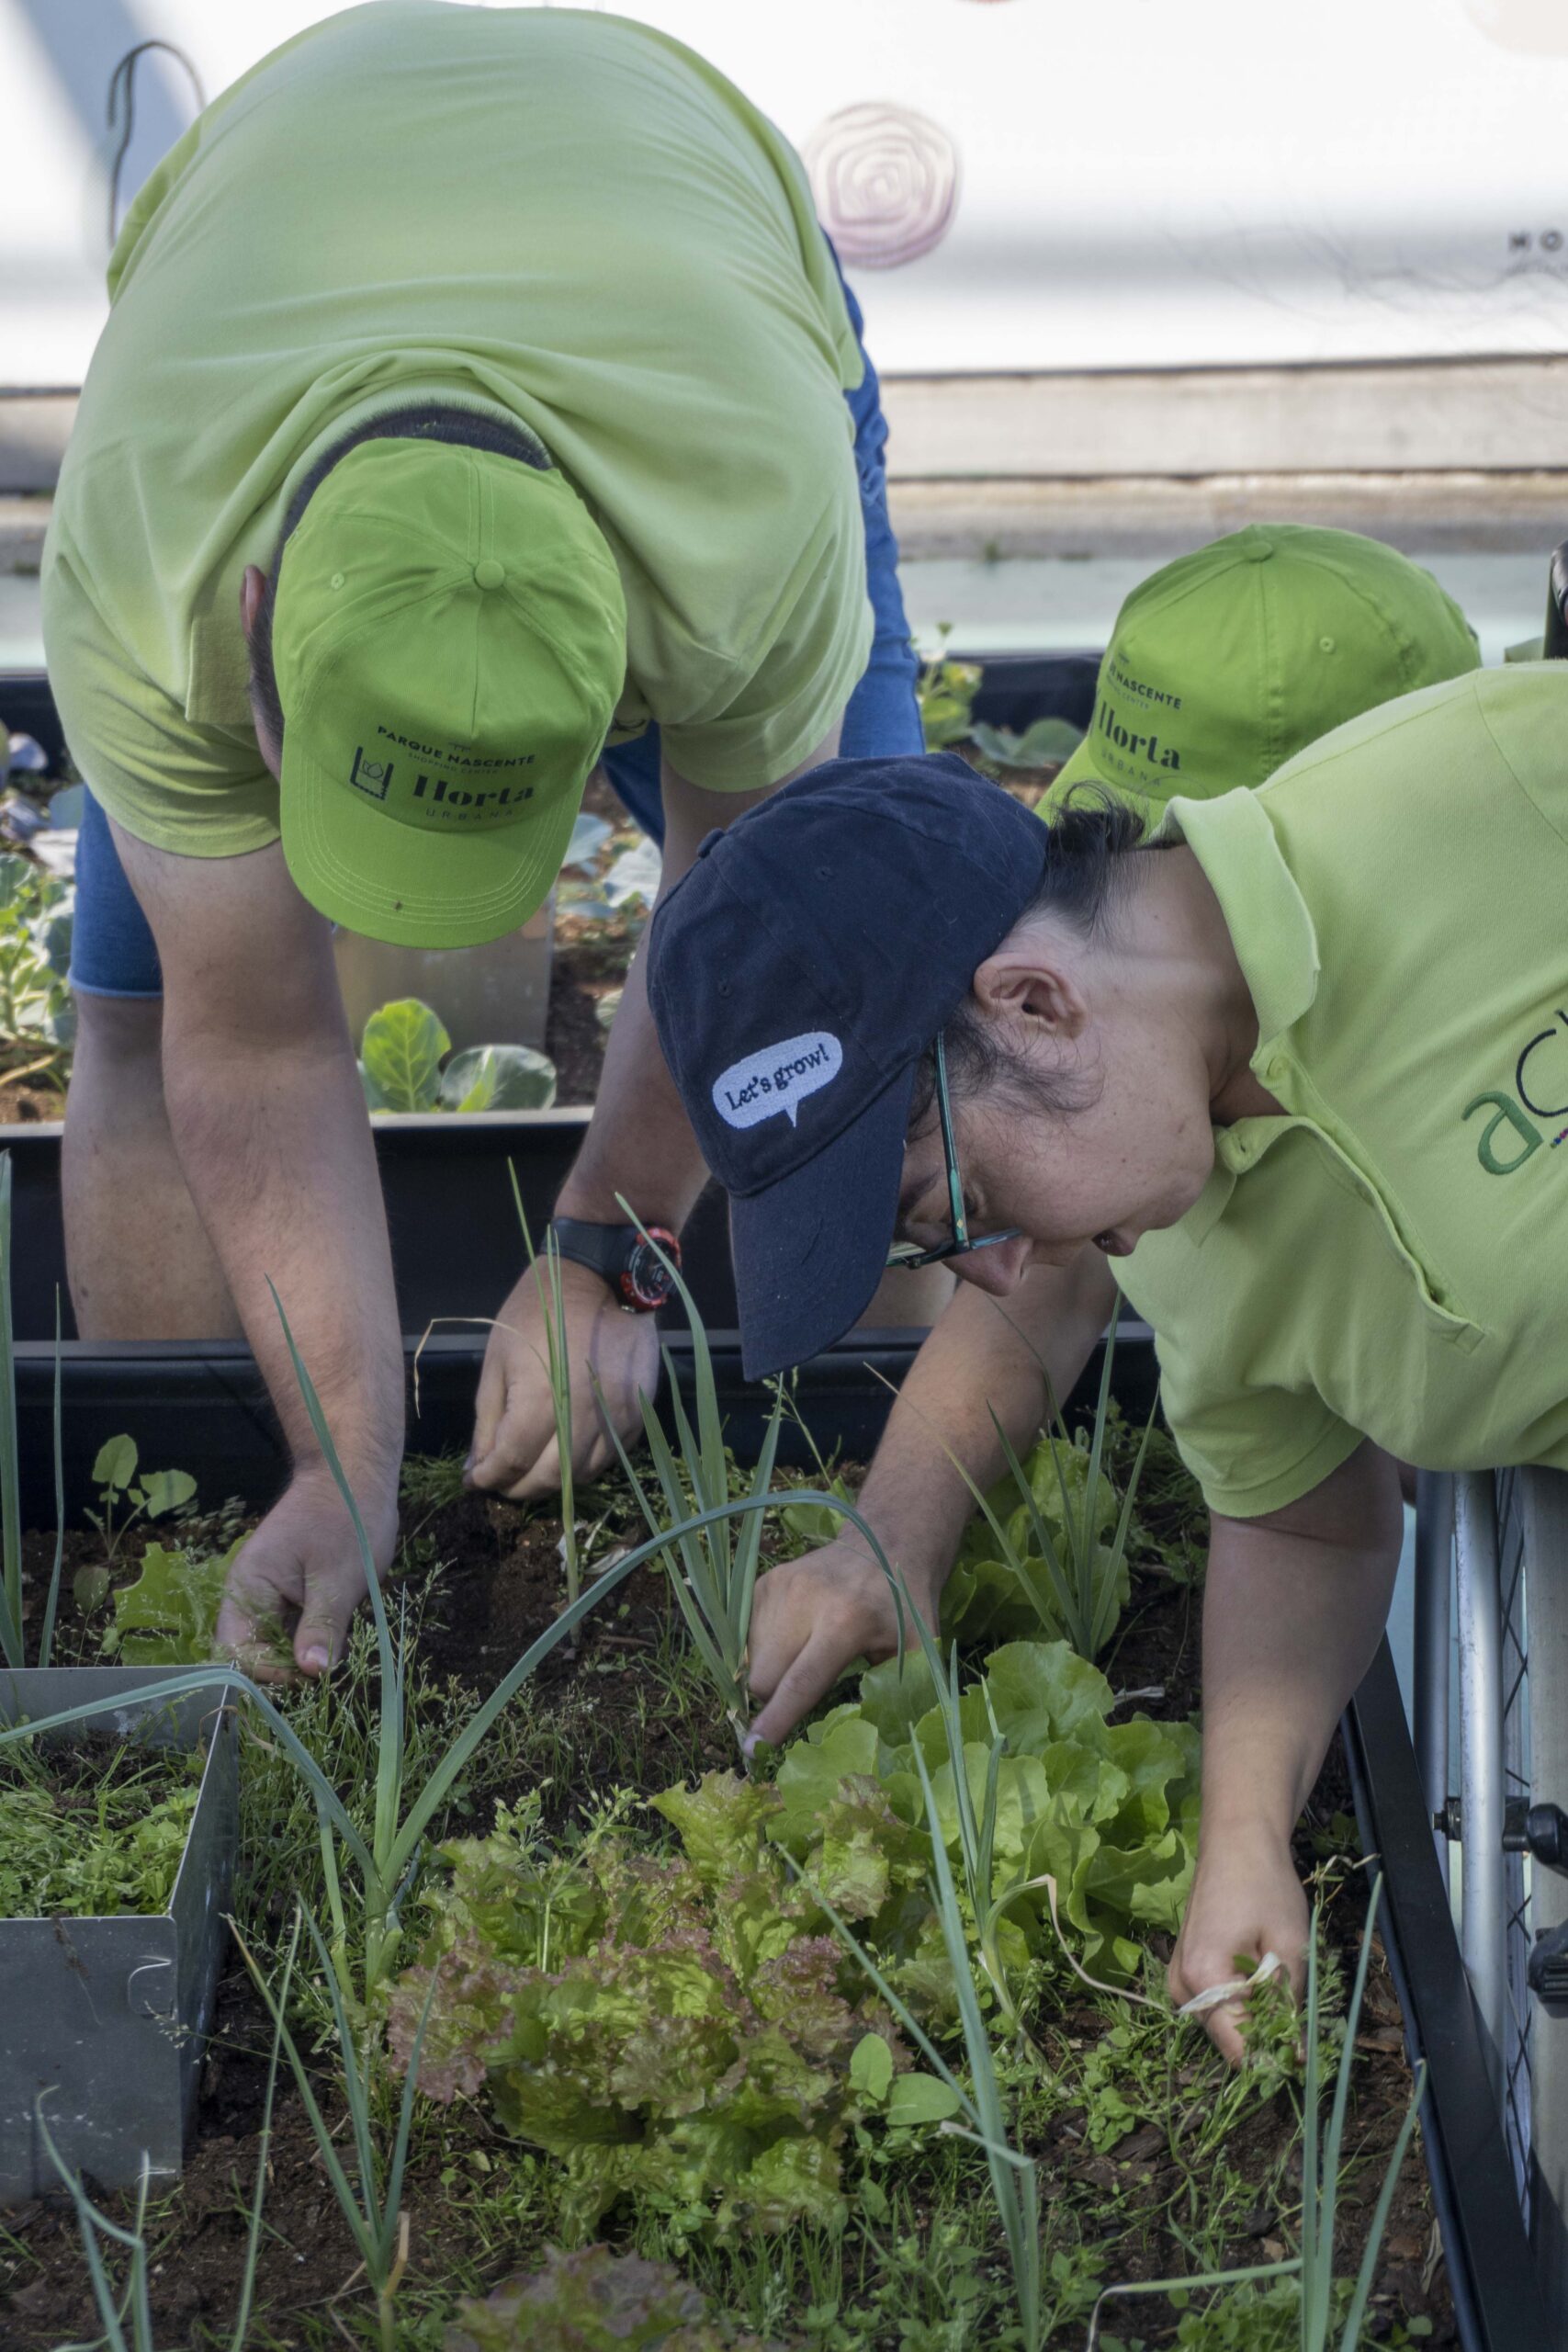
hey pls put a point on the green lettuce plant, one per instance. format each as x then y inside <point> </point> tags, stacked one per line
<point>400,1066</point>
<point>1063,1545</point>
<point>1046,744</point>
<point>169,1616</point>
<point>1106,1810</point>
<point>678,2028</point>
<point>593,2301</point>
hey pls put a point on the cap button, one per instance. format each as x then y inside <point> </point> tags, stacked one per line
<point>489,574</point>
<point>1259,550</point>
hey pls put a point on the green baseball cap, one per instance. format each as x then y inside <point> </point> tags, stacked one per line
<point>1231,660</point>
<point>449,638</point>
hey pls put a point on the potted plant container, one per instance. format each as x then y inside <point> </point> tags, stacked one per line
<point>106,2017</point>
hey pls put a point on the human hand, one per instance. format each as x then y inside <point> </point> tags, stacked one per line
<point>813,1617</point>
<point>515,1451</point>
<point>1246,1901</point>
<point>302,1568</point>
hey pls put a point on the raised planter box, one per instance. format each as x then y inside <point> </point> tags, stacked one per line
<point>108,2016</point>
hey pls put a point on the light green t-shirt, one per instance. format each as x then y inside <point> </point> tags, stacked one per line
<point>565,218</point>
<point>1389,1260</point>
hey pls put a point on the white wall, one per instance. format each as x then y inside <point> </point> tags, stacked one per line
<point>1124,183</point>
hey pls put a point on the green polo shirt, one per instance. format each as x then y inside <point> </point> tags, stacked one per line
<point>561,218</point>
<point>1389,1258</point>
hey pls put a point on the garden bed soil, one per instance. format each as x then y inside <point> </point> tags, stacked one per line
<point>499,1585</point>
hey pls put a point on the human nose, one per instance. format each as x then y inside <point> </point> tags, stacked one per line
<point>997,1270</point>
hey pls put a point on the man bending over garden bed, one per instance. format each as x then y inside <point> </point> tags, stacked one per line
<point>1287,1068</point>
<point>478,389</point>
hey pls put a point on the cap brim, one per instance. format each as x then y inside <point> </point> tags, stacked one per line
<point>810,1251</point>
<point>411,887</point>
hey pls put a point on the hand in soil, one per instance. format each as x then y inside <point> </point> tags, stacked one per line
<point>811,1618</point>
<point>302,1567</point>
<point>514,1452</point>
<point>1246,1901</point>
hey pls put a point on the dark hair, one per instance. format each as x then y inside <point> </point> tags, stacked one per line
<point>1087,873</point>
<point>421,421</point>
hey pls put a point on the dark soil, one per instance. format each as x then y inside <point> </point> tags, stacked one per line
<point>500,1585</point>
<point>25,1105</point>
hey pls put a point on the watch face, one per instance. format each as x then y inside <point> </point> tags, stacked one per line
<point>646,1282</point>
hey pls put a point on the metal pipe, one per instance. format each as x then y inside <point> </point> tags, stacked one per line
<point>1544,1505</point>
<point>1483,1909</point>
<point>1434,1634</point>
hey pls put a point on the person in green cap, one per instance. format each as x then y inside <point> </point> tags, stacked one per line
<point>1222,667</point>
<point>480,398</point>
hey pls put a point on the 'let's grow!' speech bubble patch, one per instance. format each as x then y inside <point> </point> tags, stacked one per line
<point>778,1079</point>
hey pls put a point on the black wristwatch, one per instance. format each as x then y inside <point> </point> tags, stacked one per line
<point>620,1256</point>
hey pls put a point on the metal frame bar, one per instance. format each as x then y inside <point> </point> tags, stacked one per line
<point>1433,1638</point>
<point>1483,1895</point>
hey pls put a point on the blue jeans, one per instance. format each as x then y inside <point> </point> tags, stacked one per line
<point>111,947</point>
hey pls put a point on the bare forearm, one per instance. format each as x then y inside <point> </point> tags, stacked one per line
<point>985,1355</point>
<point>277,1150</point>
<point>640,1143</point>
<point>1291,1620</point>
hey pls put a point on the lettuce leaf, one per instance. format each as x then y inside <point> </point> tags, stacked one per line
<point>680,2028</point>
<point>593,2301</point>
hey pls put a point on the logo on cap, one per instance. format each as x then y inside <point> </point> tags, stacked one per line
<point>370,775</point>
<point>778,1079</point>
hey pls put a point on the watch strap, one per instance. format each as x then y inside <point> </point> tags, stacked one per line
<point>620,1256</point>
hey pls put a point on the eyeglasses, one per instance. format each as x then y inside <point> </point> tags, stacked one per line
<point>908,1254</point>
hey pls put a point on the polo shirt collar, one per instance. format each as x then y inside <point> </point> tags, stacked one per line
<point>1265,913</point>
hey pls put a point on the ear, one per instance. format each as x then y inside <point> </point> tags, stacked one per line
<point>252,588</point>
<point>1031,983</point>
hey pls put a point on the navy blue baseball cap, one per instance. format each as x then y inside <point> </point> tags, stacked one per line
<point>798,973</point>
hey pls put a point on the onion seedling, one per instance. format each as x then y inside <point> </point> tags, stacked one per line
<point>714,1570</point>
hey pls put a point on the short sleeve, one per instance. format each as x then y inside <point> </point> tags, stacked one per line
<point>1252,1449</point>
<point>199,791</point>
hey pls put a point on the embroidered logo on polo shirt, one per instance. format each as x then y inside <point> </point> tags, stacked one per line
<point>1510,1136</point>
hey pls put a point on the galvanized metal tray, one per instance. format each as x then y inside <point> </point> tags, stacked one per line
<point>105,2019</point>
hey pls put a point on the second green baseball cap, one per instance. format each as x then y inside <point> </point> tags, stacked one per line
<point>449,638</point>
<point>1228,661</point>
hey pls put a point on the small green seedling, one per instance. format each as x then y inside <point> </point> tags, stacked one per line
<point>946,690</point>
<point>400,1066</point>
<point>114,1477</point>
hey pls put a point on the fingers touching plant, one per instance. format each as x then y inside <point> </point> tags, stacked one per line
<point>1327,2321</point>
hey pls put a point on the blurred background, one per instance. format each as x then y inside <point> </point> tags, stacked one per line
<point>1135,272</point>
